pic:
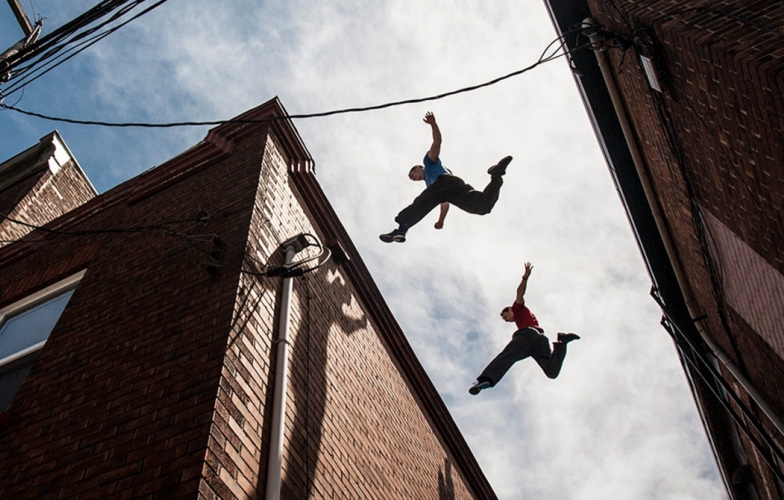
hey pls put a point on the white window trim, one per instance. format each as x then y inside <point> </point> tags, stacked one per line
<point>32,299</point>
<point>22,353</point>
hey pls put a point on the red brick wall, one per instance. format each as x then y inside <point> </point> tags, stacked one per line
<point>354,429</point>
<point>713,144</point>
<point>121,400</point>
<point>157,380</point>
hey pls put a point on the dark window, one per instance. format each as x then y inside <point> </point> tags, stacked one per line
<point>24,328</point>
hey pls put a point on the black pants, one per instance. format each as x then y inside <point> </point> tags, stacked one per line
<point>451,189</point>
<point>526,342</point>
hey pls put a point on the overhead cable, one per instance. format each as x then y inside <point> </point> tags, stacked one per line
<point>544,58</point>
<point>45,55</point>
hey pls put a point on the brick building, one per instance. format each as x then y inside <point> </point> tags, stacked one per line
<point>686,101</point>
<point>155,310</point>
<point>38,185</point>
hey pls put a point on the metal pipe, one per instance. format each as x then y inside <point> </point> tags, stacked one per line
<point>668,244</point>
<point>275,462</point>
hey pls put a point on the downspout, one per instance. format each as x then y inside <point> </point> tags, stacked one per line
<point>666,239</point>
<point>275,461</point>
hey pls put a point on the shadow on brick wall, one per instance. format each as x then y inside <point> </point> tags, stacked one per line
<point>446,488</point>
<point>326,302</point>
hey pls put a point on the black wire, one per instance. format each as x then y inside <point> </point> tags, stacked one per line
<point>622,12</point>
<point>60,35</point>
<point>682,343</point>
<point>63,32</point>
<point>18,100</point>
<point>32,7</point>
<point>96,231</point>
<point>81,47</point>
<point>541,60</point>
<point>295,269</point>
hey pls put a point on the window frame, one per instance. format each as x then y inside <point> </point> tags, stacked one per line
<point>31,301</point>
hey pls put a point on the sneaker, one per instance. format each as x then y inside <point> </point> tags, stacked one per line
<point>397,235</point>
<point>478,387</point>
<point>500,168</point>
<point>567,337</point>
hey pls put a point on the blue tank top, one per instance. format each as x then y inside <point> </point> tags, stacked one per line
<point>433,170</point>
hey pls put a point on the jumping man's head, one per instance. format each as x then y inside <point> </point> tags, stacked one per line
<point>507,314</point>
<point>417,173</point>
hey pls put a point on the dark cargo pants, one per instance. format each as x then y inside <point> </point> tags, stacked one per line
<point>451,189</point>
<point>527,342</point>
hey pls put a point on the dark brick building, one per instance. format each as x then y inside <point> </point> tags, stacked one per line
<point>686,101</point>
<point>155,309</point>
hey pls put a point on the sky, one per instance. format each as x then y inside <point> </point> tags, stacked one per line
<point>619,422</point>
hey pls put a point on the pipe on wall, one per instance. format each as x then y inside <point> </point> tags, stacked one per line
<point>275,462</point>
<point>639,165</point>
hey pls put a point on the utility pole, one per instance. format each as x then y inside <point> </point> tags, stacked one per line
<point>19,12</point>
<point>31,34</point>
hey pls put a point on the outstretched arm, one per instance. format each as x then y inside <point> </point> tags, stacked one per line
<point>523,284</point>
<point>442,216</point>
<point>435,148</point>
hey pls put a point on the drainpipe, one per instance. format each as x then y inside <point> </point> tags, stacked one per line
<point>639,165</point>
<point>275,463</point>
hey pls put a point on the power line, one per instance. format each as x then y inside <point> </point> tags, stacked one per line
<point>544,58</point>
<point>50,48</point>
<point>203,217</point>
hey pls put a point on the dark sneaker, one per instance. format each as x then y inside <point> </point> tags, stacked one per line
<point>397,235</point>
<point>478,387</point>
<point>500,168</point>
<point>567,337</point>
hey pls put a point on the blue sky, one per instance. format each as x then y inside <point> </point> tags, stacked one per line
<point>619,422</point>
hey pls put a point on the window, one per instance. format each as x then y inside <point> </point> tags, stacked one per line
<point>24,328</point>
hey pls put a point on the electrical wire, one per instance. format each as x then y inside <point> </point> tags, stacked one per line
<point>294,269</point>
<point>716,383</point>
<point>699,226</point>
<point>48,45</point>
<point>714,267</point>
<point>168,228</point>
<point>622,12</point>
<point>54,51</point>
<point>32,8</point>
<point>297,268</point>
<point>86,232</point>
<point>544,58</point>
<point>712,261</point>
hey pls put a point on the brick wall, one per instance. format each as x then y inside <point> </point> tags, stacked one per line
<point>354,429</point>
<point>122,397</point>
<point>41,190</point>
<point>156,382</point>
<point>713,144</point>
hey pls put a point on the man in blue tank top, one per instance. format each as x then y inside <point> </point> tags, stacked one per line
<point>444,188</point>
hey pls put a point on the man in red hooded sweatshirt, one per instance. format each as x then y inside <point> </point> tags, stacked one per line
<point>528,341</point>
